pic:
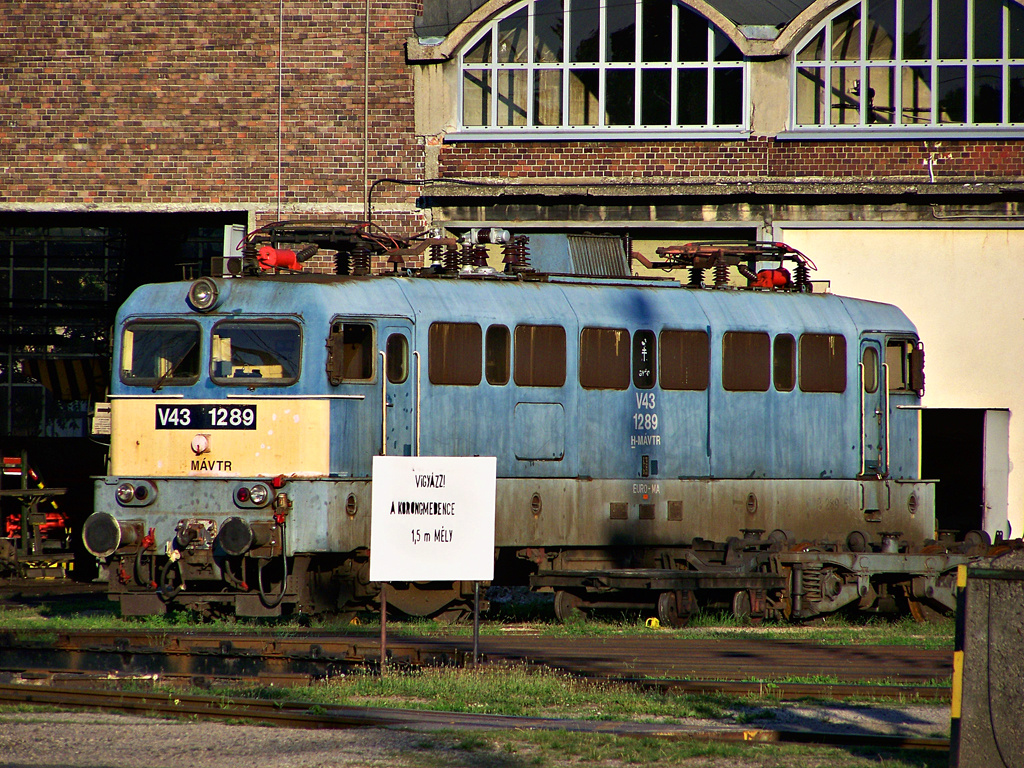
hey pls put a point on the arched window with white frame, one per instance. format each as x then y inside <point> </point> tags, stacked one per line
<point>930,67</point>
<point>608,68</point>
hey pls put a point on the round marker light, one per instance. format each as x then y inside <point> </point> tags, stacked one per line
<point>242,495</point>
<point>125,493</point>
<point>141,493</point>
<point>259,494</point>
<point>203,294</point>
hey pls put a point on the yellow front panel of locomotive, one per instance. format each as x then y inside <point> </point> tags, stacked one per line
<point>218,438</point>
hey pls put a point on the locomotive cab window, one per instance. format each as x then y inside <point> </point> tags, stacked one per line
<point>904,359</point>
<point>869,363</point>
<point>157,354</point>
<point>498,354</point>
<point>540,356</point>
<point>454,351</point>
<point>746,361</point>
<point>685,360</point>
<point>255,353</point>
<point>604,358</point>
<point>350,353</point>
<point>822,362</point>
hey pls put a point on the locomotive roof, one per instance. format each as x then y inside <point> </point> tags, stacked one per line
<point>608,303</point>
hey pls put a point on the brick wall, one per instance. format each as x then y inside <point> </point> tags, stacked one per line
<point>759,157</point>
<point>146,104</point>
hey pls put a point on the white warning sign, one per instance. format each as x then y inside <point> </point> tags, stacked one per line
<point>432,518</point>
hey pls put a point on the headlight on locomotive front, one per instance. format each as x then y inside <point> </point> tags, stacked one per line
<point>252,496</point>
<point>137,493</point>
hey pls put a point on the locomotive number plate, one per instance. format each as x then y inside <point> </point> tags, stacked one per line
<point>235,416</point>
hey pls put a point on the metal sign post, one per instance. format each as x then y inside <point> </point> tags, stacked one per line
<point>432,519</point>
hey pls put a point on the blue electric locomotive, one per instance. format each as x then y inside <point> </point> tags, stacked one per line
<point>656,444</point>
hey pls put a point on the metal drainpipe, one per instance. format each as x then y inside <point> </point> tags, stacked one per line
<point>366,114</point>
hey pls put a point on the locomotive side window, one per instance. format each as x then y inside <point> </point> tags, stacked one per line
<point>685,360</point>
<point>746,361</point>
<point>870,363</point>
<point>454,353</point>
<point>498,354</point>
<point>905,360</point>
<point>540,356</point>
<point>155,354</point>
<point>604,358</point>
<point>256,352</point>
<point>784,362</point>
<point>822,362</point>
<point>350,353</point>
<point>397,352</point>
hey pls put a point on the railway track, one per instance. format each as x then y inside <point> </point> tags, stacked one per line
<point>305,715</point>
<point>738,667</point>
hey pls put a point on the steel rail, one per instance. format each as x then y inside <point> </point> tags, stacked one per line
<point>308,715</point>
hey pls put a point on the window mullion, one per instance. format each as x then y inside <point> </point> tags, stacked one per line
<point>602,62</point>
<point>638,58</point>
<point>531,64</point>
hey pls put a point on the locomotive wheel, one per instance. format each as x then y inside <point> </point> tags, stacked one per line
<point>741,604</point>
<point>668,610</point>
<point>567,606</point>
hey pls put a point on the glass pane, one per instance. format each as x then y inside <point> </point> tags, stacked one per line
<point>160,353</point>
<point>822,362</point>
<point>454,353</point>
<point>657,36</point>
<point>784,363</point>
<point>1016,30</point>
<point>620,31</point>
<point>917,29</point>
<point>952,29</point>
<point>810,96</point>
<point>512,97</point>
<point>498,354</point>
<point>1016,85</point>
<point>656,97</point>
<point>725,49</point>
<point>584,23</point>
<point>512,42</point>
<point>263,352</point>
<point>476,97</point>
<point>398,358</point>
<point>988,29</point>
<point>746,361</point>
<point>583,91</point>
<point>881,95</point>
<point>952,93</point>
<point>693,36</point>
<point>645,363</point>
<point>988,95</point>
<point>479,53</point>
<point>917,96</point>
<point>846,91</point>
<point>728,97</point>
<point>604,358</point>
<point>870,374</point>
<point>549,28</point>
<point>846,35</point>
<point>619,97</point>
<point>881,31</point>
<point>684,360</point>
<point>540,356</point>
<point>692,97</point>
<point>814,50</point>
<point>547,97</point>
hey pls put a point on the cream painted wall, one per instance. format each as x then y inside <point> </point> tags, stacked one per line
<point>963,289</point>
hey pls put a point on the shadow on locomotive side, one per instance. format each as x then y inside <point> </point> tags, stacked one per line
<point>659,442</point>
